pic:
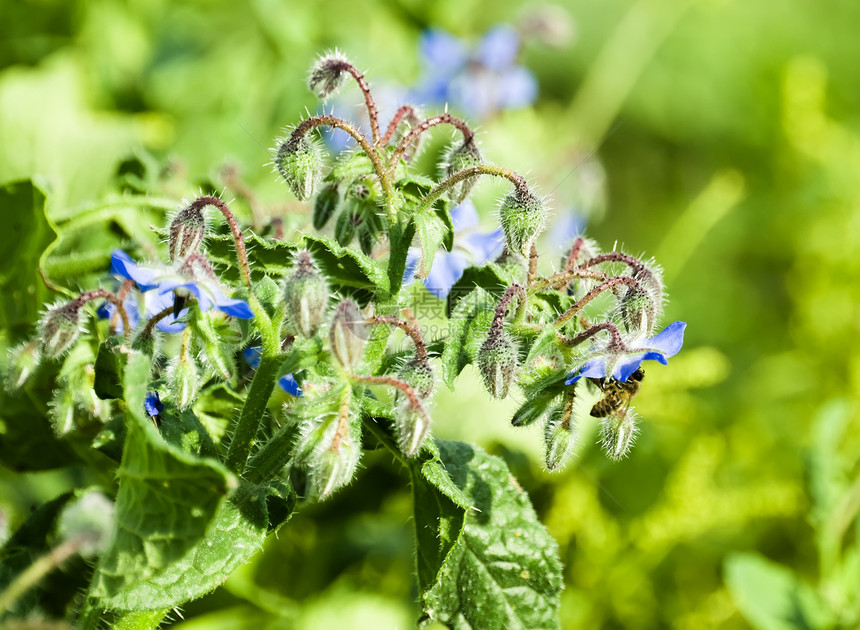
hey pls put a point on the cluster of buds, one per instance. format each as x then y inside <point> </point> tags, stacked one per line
<point>319,322</point>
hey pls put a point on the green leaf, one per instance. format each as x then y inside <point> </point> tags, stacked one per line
<point>109,366</point>
<point>165,503</point>
<point>265,257</point>
<point>304,353</point>
<point>498,568</point>
<point>358,274</point>
<point>431,232</point>
<point>237,532</point>
<point>25,235</point>
<point>471,317</point>
<point>489,277</point>
<point>771,597</point>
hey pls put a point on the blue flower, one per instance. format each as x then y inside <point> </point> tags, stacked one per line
<point>470,248</point>
<point>480,80</point>
<point>152,404</point>
<point>186,280</point>
<point>151,304</point>
<point>621,364</point>
<point>287,383</point>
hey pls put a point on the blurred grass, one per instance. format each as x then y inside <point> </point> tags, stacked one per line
<point>735,164</point>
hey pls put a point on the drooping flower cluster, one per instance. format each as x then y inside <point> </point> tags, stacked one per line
<point>324,320</point>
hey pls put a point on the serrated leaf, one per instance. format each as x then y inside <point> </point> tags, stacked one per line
<point>237,532</point>
<point>25,235</point>
<point>165,502</point>
<point>501,568</point>
<point>431,231</point>
<point>771,597</point>
<point>488,277</point>
<point>466,316</point>
<point>265,257</point>
<point>358,274</point>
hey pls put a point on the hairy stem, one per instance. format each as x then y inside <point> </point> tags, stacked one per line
<point>612,329</point>
<point>399,115</point>
<point>441,119</point>
<point>481,169</point>
<point>588,297</point>
<point>96,294</point>
<point>409,329</point>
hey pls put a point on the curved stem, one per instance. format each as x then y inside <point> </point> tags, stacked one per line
<point>414,401</point>
<point>466,173</point>
<point>95,294</point>
<point>634,263</point>
<point>370,105</point>
<point>502,308</point>
<point>409,329</point>
<point>373,156</point>
<point>588,297</point>
<point>533,264</point>
<point>441,119</point>
<point>560,279</point>
<point>612,329</point>
<point>238,239</point>
<point>34,574</point>
<point>399,115</point>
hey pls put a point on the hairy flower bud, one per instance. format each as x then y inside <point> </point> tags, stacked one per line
<point>522,216</point>
<point>560,435</point>
<point>497,361</point>
<point>306,295</point>
<point>88,520</point>
<point>298,160</point>
<point>183,379</point>
<point>23,361</point>
<point>60,328</point>
<point>412,424</point>
<point>638,311</point>
<point>328,447</point>
<point>325,204</point>
<point>459,156</point>
<point>186,232</point>
<point>348,334</point>
<point>328,74</point>
<point>617,433</point>
<point>419,376</point>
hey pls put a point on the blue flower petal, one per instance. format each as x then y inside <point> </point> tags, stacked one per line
<point>289,385</point>
<point>252,356</point>
<point>152,404</point>
<point>235,308</point>
<point>448,267</point>
<point>484,248</point>
<point>669,341</point>
<point>517,88</point>
<point>442,52</point>
<point>464,216</point>
<point>498,49</point>
<point>122,265</point>
<point>627,365</point>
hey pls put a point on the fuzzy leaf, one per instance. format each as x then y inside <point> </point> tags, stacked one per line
<point>489,277</point>
<point>265,257</point>
<point>109,366</point>
<point>431,232</point>
<point>471,316</point>
<point>356,273</point>
<point>499,568</point>
<point>165,503</point>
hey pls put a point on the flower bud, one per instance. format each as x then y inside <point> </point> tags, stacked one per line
<point>89,521</point>
<point>326,202</point>
<point>522,216</point>
<point>328,449</point>
<point>306,296</point>
<point>459,156</point>
<point>560,435</point>
<point>497,361</point>
<point>60,328</point>
<point>638,311</point>
<point>183,379</point>
<point>347,222</point>
<point>23,361</point>
<point>419,376</point>
<point>186,232</point>
<point>348,334</point>
<point>328,74</point>
<point>412,424</point>
<point>299,162</point>
<point>617,433</point>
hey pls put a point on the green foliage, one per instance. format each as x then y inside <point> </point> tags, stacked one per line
<point>484,559</point>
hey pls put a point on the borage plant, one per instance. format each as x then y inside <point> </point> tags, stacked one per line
<point>312,340</point>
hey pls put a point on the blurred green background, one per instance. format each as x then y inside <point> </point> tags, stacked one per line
<point>733,157</point>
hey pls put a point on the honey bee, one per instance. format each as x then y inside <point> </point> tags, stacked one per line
<point>617,393</point>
